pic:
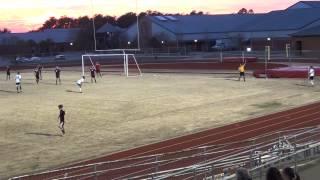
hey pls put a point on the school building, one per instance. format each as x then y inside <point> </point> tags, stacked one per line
<point>296,25</point>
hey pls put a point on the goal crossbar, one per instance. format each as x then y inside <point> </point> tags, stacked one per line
<point>125,61</point>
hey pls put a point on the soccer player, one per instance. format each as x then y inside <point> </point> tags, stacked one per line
<point>93,74</point>
<point>18,82</point>
<point>37,75</point>
<point>57,71</point>
<point>242,71</point>
<point>311,74</point>
<point>79,83</point>
<point>98,69</point>
<point>8,73</point>
<point>61,118</point>
<point>40,68</point>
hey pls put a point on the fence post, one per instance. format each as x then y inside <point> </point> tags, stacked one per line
<point>157,164</point>
<point>279,156</point>
<point>221,56</point>
<point>212,171</point>
<point>252,160</point>
<point>295,155</point>
<point>205,155</point>
<point>95,172</point>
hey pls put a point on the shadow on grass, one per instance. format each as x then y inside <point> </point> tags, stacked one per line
<point>71,91</point>
<point>232,79</point>
<point>49,83</point>
<point>303,85</point>
<point>29,83</point>
<point>44,134</point>
<point>8,91</point>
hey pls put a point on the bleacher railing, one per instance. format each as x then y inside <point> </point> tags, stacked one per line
<point>213,161</point>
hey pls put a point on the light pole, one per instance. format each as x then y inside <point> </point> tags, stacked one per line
<point>248,50</point>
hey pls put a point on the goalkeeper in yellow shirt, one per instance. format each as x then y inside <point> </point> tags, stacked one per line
<point>242,71</point>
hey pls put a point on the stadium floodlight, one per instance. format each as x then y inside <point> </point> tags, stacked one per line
<point>249,49</point>
<point>268,39</point>
<point>162,42</point>
<point>71,44</point>
<point>196,40</point>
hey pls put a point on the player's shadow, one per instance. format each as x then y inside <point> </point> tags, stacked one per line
<point>72,91</point>
<point>8,91</point>
<point>44,134</point>
<point>49,83</point>
<point>231,79</point>
<point>303,85</point>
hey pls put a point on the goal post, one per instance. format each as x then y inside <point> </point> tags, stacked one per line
<point>127,62</point>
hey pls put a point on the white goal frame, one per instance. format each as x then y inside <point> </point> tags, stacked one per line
<point>125,62</point>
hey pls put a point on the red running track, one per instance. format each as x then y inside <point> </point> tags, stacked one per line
<point>300,117</point>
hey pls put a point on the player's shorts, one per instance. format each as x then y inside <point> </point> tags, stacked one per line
<point>17,84</point>
<point>93,76</point>
<point>311,78</point>
<point>241,73</point>
<point>98,71</point>
<point>8,73</point>
<point>79,85</point>
<point>57,76</point>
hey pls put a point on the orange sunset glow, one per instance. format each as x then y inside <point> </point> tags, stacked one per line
<point>21,16</point>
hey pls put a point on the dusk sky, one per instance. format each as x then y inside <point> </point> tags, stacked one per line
<point>25,15</point>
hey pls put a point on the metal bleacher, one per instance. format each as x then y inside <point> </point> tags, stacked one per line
<point>220,161</point>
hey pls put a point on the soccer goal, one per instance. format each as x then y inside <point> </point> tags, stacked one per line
<point>124,63</point>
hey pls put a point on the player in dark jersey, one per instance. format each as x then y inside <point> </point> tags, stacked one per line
<point>93,74</point>
<point>98,69</point>
<point>8,73</point>
<point>40,68</point>
<point>62,113</point>
<point>37,75</point>
<point>57,71</point>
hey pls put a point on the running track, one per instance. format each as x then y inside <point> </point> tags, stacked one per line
<point>304,116</point>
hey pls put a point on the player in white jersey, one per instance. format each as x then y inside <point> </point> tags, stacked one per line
<point>79,83</point>
<point>311,74</point>
<point>18,82</point>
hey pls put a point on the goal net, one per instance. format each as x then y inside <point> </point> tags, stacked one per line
<point>124,64</point>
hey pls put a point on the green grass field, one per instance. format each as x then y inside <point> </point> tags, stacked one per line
<point>119,113</point>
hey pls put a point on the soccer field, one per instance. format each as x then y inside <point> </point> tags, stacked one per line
<point>118,113</point>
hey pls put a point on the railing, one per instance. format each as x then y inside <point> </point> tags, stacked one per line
<point>302,142</point>
<point>181,54</point>
<point>202,161</point>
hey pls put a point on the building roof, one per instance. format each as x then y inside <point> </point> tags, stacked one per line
<point>313,31</point>
<point>56,35</point>
<point>193,24</point>
<point>109,28</point>
<point>291,19</point>
<point>305,4</point>
<point>313,4</point>
<point>284,20</point>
